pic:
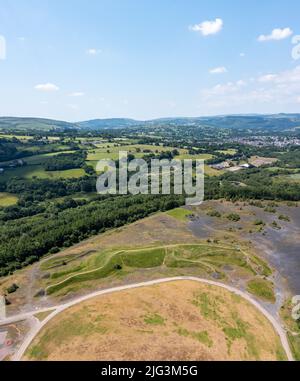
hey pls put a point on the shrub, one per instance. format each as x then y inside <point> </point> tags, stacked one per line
<point>284,218</point>
<point>233,217</point>
<point>214,213</point>
<point>13,288</point>
<point>54,250</point>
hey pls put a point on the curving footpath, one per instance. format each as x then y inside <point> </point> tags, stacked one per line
<point>59,308</point>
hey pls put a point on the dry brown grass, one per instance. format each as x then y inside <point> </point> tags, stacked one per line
<point>182,320</point>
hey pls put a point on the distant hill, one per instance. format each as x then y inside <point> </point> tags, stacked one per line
<point>278,122</point>
<point>29,124</point>
<point>97,124</point>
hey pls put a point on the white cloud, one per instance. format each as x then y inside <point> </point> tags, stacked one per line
<point>222,89</point>
<point>93,51</point>
<point>77,94</point>
<point>207,28</point>
<point>218,70</point>
<point>267,78</point>
<point>46,87</point>
<point>276,34</point>
<point>288,77</point>
<point>242,54</point>
<point>270,91</point>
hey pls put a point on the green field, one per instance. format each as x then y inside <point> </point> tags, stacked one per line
<point>180,214</point>
<point>211,171</point>
<point>41,159</point>
<point>228,151</point>
<point>31,171</point>
<point>292,178</point>
<point>138,150</point>
<point>7,199</point>
<point>204,156</point>
<point>206,258</point>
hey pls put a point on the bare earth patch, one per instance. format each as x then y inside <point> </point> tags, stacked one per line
<point>182,320</point>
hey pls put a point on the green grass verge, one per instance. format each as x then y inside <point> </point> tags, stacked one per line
<point>207,258</point>
<point>262,288</point>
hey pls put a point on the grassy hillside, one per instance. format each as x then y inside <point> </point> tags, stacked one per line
<point>31,124</point>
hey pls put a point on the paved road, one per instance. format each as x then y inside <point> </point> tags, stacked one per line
<point>59,308</point>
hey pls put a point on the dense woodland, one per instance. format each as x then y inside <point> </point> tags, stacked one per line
<point>24,241</point>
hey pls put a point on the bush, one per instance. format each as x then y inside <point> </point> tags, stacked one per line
<point>214,213</point>
<point>259,222</point>
<point>284,218</point>
<point>54,250</point>
<point>233,217</point>
<point>13,288</point>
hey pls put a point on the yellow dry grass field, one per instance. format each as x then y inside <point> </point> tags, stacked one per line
<point>180,320</point>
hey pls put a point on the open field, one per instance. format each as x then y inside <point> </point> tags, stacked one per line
<point>209,171</point>
<point>228,151</point>
<point>163,252</point>
<point>292,178</point>
<point>20,137</point>
<point>258,161</point>
<point>204,156</point>
<point>30,171</point>
<point>206,258</point>
<point>180,214</point>
<point>41,159</point>
<point>111,151</point>
<point>7,199</point>
<point>181,320</point>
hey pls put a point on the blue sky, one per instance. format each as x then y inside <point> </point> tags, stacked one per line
<point>77,60</point>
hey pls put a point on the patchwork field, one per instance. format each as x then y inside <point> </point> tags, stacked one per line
<point>182,320</point>
<point>111,151</point>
